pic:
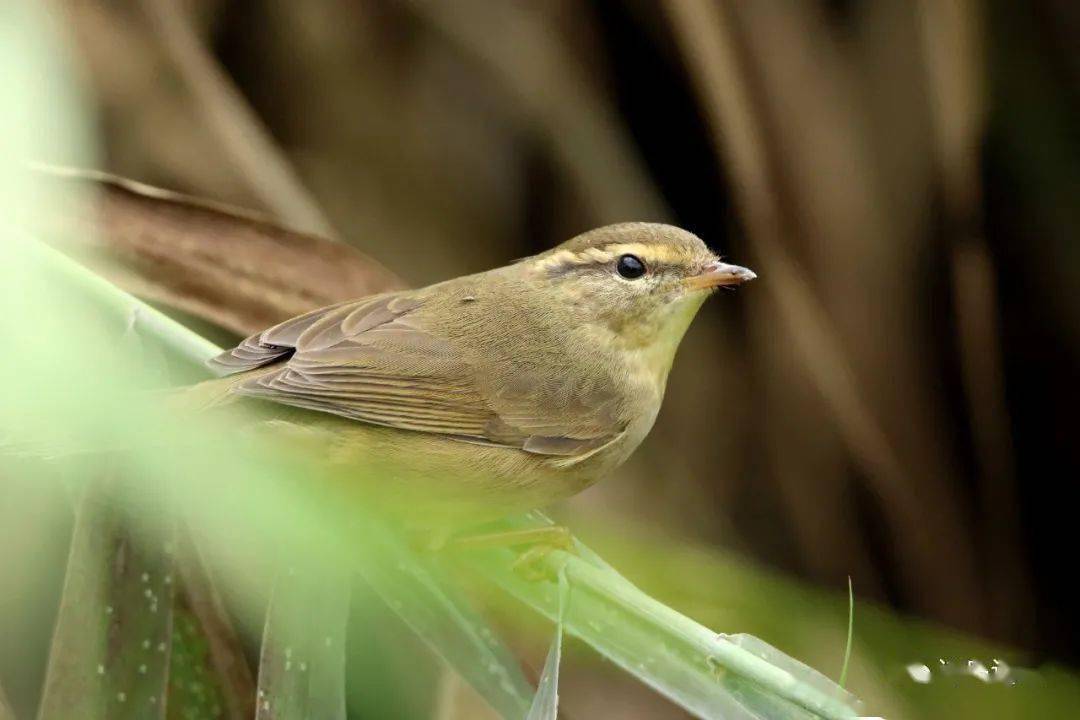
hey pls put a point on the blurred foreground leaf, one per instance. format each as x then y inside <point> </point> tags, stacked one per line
<point>206,647</point>
<point>195,691</point>
<point>110,648</point>
<point>302,664</point>
<point>6,713</point>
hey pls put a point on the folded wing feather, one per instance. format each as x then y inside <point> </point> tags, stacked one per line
<point>374,361</point>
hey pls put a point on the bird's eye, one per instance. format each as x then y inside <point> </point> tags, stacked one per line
<point>630,267</point>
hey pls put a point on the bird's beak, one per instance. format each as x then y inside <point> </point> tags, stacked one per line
<point>717,274</point>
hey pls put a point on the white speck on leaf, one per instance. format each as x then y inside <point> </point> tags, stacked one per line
<point>919,673</point>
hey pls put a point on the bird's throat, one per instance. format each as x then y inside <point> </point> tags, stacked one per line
<point>654,344</point>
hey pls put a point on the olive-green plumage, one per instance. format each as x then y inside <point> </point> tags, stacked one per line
<point>493,392</point>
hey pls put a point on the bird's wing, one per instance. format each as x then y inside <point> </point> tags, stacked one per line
<point>376,360</point>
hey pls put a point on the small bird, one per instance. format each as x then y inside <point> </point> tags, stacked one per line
<point>491,393</point>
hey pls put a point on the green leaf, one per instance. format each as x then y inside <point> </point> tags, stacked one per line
<point>110,648</point>
<point>707,674</point>
<point>6,713</point>
<point>195,692</point>
<point>209,674</point>
<point>417,590</point>
<point>302,664</point>
<point>545,704</point>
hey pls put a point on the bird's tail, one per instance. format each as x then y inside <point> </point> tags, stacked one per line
<point>203,396</point>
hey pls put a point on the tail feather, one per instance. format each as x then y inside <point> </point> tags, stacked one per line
<point>203,396</point>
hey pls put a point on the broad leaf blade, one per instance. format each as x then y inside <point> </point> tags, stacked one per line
<point>110,648</point>
<point>6,713</point>
<point>73,687</point>
<point>426,600</point>
<point>235,268</point>
<point>302,664</point>
<point>204,633</point>
<point>194,689</point>
<point>694,667</point>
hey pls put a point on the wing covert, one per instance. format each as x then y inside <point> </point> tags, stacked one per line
<point>377,360</point>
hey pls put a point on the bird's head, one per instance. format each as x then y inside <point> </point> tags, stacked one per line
<point>643,282</point>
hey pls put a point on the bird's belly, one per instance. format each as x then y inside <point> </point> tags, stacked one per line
<point>434,480</point>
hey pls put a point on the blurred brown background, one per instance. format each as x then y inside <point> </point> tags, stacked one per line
<point>893,400</point>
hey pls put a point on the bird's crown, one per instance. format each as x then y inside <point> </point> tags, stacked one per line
<point>657,243</point>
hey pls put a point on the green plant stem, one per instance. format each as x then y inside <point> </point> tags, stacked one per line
<point>606,606</point>
<point>180,340</point>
